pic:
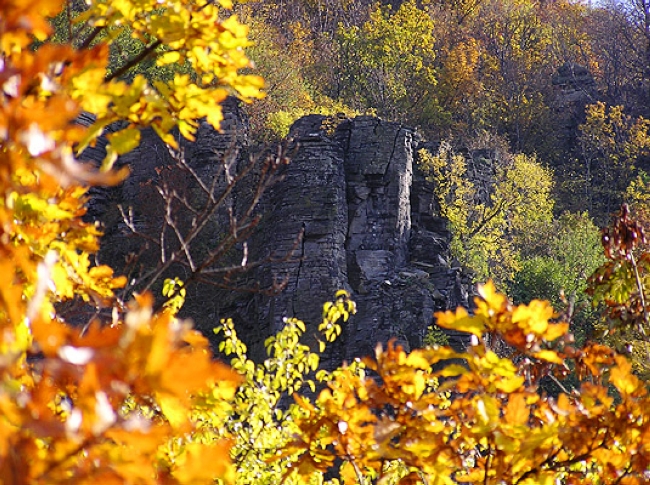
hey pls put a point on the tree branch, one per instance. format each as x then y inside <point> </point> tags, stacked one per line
<point>134,61</point>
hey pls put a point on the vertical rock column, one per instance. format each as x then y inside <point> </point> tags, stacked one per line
<point>379,171</point>
<point>310,198</point>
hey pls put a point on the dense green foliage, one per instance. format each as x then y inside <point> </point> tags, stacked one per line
<point>556,268</point>
<point>388,63</point>
<point>458,66</point>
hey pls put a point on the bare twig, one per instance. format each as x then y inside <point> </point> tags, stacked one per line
<point>185,216</point>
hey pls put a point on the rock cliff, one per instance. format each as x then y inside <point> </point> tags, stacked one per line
<point>368,223</point>
<point>574,87</point>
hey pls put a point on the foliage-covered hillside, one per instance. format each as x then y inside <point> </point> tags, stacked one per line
<point>522,70</point>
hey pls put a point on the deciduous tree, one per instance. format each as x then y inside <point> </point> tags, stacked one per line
<point>111,404</point>
<point>391,423</point>
<point>388,62</point>
<point>490,219</point>
<point>611,142</point>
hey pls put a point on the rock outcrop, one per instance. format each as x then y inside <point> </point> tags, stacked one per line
<point>574,88</point>
<point>368,223</point>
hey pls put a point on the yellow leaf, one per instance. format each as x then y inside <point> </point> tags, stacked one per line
<point>237,29</point>
<point>488,292</point>
<point>62,282</point>
<point>34,206</point>
<point>341,294</point>
<point>417,360</point>
<point>621,376</point>
<point>176,413</point>
<point>215,115</point>
<point>171,57</point>
<point>510,384</point>
<point>87,82</point>
<point>462,321</point>
<point>124,140</point>
<point>109,159</point>
<point>91,134</point>
<point>548,356</point>
<point>300,324</point>
<point>250,86</point>
<point>487,411</point>
<point>453,370</point>
<point>533,317</point>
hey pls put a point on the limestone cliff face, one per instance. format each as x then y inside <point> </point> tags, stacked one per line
<point>368,223</point>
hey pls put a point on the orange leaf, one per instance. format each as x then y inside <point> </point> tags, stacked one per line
<point>205,463</point>
<point>556,330</point>
<point>517,411</point>
<point>49,335</point>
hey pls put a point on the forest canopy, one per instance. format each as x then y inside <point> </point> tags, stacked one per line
<point>566,81</point>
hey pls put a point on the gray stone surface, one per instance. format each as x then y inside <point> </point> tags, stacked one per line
<point>368,222</point>
<point>574,87</point>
